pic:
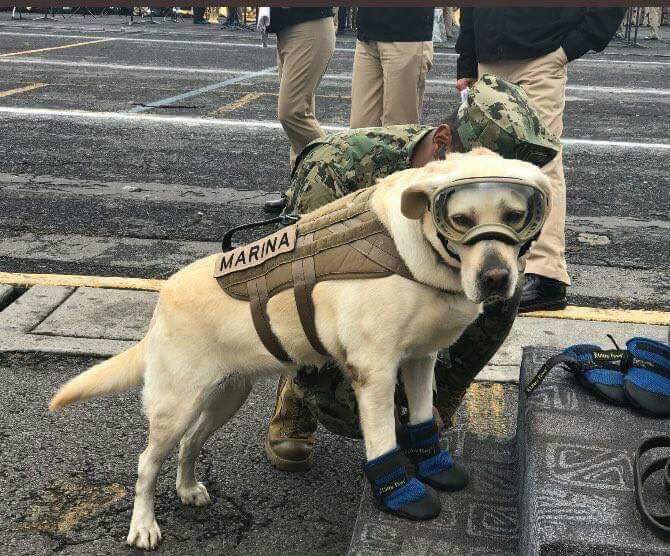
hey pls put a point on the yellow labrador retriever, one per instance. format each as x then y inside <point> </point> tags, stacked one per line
<point>458,225</point>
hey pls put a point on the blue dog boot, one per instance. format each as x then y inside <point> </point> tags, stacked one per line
<point>396,492</point>
<point>603,371</point>
<point>598,370</point>
<point>647,382</point>
<point>434,466</point>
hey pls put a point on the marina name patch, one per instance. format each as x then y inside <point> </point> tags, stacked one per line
<point>253,254</point>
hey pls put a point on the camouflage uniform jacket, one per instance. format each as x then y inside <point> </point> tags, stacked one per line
<point>340,163</point>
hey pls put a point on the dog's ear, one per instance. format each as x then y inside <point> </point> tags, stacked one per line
<point>414,201</point>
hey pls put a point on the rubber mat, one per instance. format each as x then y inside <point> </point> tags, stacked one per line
<point>576,469</point>
<point>482,518</point>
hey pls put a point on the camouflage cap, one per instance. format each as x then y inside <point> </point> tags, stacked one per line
<point>497,115</point>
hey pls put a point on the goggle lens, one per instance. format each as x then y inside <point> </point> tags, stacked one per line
<point>459,209</point>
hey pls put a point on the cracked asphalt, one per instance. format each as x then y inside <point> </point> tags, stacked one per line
<point>87,187</point>
<point>68,478</point>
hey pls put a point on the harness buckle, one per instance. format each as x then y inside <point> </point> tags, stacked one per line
<point>284,220</point>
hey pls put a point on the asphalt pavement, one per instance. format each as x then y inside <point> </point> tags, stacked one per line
<point>67,479</point>
<point>128,150</point>
<point>91,185</point>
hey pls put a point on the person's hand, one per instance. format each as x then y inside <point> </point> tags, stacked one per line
<point>464,83</point>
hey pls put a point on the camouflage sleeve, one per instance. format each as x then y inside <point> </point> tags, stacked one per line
<point>312,186</point>
<point>458,365</point>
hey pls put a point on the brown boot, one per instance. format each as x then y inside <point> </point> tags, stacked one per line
<point>289,443</point>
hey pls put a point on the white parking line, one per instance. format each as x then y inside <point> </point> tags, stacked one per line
<point>201,90</point>
<point>586,60</point>
<point>52,48</point>
<point>581,88</point>
<point>122,67</point>
<point>328,76</point>
<point>190,121</point>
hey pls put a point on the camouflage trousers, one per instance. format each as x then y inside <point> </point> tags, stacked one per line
<point>327,393</point>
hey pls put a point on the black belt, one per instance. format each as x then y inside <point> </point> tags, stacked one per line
<point>659,522</point>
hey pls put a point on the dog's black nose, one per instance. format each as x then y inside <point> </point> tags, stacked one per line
<point>494,279</point>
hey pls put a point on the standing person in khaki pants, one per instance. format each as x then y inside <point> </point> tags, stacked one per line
<point>654,15</point>
<point>394,53</point>
<point>532,47</point>
<point>305,45</point>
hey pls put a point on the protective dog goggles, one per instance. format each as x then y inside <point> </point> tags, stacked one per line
<point>501,208</point>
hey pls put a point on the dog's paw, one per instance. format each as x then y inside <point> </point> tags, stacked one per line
<point>195,495</point>
<point>144,535</point>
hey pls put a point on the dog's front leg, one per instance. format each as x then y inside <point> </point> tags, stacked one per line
<point>420,439</point>
<point>374,392</point>
<point>417,377</point>
<point>387,468</point>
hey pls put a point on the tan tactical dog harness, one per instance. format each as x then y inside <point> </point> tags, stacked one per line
<point>348,242</point>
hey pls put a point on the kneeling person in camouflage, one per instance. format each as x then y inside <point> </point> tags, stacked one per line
<point>498,116</point>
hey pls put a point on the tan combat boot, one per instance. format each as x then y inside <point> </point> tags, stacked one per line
<point>289,443</point>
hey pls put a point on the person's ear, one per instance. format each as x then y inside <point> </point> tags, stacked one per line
<point>414,201</point>
<point>442,141</point>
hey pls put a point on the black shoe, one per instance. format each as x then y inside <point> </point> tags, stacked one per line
<point>200,21</point>
<point>542,294</point>
<point>274,206</point>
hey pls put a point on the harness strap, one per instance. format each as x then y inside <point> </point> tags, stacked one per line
<point>658,521</point>
<point>304,280</point>
<point>258,303</point>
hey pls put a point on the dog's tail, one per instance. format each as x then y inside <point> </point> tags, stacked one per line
<point>121,372</point>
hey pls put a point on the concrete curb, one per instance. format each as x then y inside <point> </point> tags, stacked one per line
<point>68,316</point>
<point>19,321</point>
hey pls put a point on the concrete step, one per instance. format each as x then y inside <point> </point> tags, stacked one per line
<point>105,321</point>
<point>576,469</point>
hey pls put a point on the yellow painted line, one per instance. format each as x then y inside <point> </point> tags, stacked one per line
<point>338,97</point>
<point>22,89</point>
<point>75,280</point>
<point>239,103</point>
<point>633,316</point>
<point>486,409</point>
<point>48,49</point>
<point>253,95</point>
<point>571,312</point>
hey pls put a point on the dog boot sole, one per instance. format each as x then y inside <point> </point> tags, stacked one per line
<point>429,507</point>
<point>450,480</point>
<point>650,403</point>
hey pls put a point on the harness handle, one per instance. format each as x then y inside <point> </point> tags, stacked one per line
<point>284,220</point>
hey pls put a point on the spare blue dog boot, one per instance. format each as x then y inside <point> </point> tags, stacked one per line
<point>598,370</point>
<point>396,492</point>
<point>434,466</point>
<point>647,382</point>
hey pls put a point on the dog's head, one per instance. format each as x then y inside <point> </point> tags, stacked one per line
<point>481,211</point>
